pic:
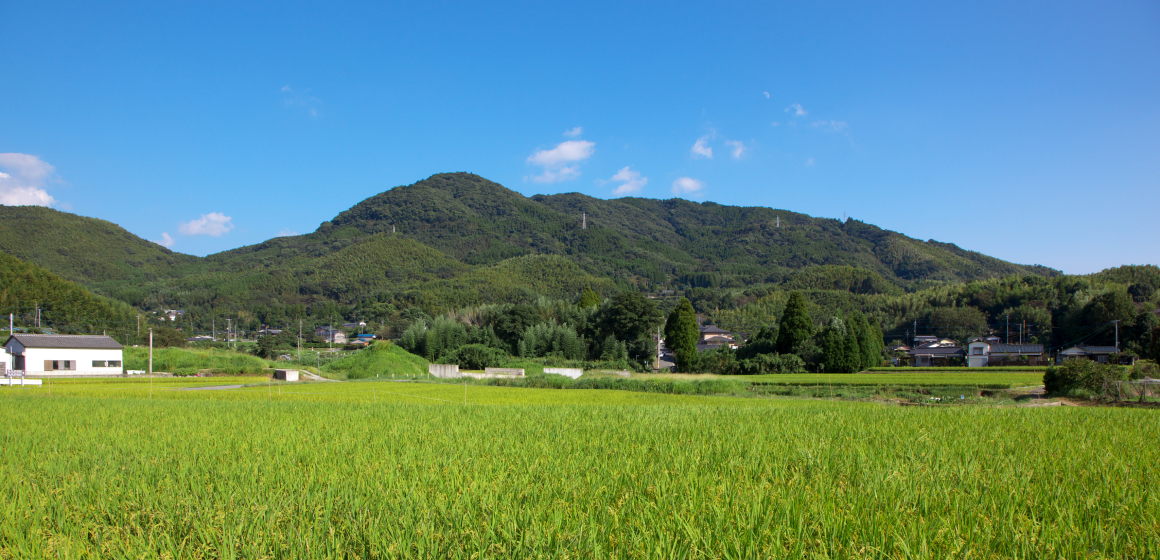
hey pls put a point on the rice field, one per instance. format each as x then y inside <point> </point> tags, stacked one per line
<point>103,470</point>
<point>960,377</point>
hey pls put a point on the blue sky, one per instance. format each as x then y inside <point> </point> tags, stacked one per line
<point>1030,132</point>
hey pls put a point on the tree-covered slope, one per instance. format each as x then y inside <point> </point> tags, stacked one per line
<point>458,239</point>
<point>26,287</point>
<point>661,241</point>
<point>85,250</point>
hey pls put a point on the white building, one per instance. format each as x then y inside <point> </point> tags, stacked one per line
<point>64,355</point>
<point>988,351</point>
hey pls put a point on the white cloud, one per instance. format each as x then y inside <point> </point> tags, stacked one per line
<point>295,99</point>
<point>796,109</point>
<point>214,224</point>
<point>23,183</point>
<point>574,132</point>
<point>685,185</point>
<point>766,94</point>
<point>830,125</point>
<point>630,180</point>
<point>166,240</point>
<point>559,163</point>
<point>775,123</point>
<point>809,161</point>
<point>738,148</point>
<point>702,149</point>
<point>286,232</point>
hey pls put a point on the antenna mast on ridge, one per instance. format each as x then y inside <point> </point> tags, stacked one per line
<point>584,220</point>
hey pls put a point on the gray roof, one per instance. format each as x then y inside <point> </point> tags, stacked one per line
<point>1091,350</point>
<point>65,341</point>
<point>937,351</point>
<point>1017,348</point>
<point>712,329</point>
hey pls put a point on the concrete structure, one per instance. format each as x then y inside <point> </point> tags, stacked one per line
<point>5,362</point>
<point>286,374</point>
<point>988,351</point>
<point>64,355</point>
<point>574,373</point>
<point>444,371</point>
<point>451,371</point>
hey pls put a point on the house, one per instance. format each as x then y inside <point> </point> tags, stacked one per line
<point>200,338</point>
<point>714,337</point>
<point>173,314</point>
<point>988,351</point>
<point>63,354</point>
<point>357,325</point>
<point>5,363</point>
<point>934,352</point>
<point>1101,354</point>
<point>331,334</point>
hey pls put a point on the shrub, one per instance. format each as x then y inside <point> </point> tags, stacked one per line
<point>475,356</point>
<point>1080,375</point>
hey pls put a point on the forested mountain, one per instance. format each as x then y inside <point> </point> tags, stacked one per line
<point>86,250</point>
<point>656,241</point>
<point>456,240</point>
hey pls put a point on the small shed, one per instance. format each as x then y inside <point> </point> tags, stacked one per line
<point>286,374</point>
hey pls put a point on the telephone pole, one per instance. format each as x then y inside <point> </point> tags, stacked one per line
<point>1117,322</point>
<point>228,331</point>
<point>300,339</point>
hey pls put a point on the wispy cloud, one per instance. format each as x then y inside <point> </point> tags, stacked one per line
<point>775,123</point>
<point>809,161</point>
<point>766,94</point>
<point>630,181</point>
<point>562,162</point>
<point>286,232</point>
<point>574,132</point>
<point>165,241</point>
<point>686,185</point>
<point>23,181</point>
<point>701,148</point>
<point>303,100</point>
<point>738,146</point>
<point>796,109</point>
<point>830,125</point>
<point>214,224</point>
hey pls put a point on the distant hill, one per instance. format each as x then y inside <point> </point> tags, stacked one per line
<point>457,239</point>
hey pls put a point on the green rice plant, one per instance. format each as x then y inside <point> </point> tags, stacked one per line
<point>170,360</point>
<point>249,473</point>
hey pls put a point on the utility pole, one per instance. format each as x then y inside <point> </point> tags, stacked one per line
<point>213,329</point>
<point>1117,322</point>
<point>584,221</point>
<point>138,325</point>
<point>150,352</point>
<point>300,338</point>
<point>228,331</point>
<point>1008,340</point>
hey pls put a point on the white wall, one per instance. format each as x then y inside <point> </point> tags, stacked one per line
<point>980,360</point>
<point>34,361</point>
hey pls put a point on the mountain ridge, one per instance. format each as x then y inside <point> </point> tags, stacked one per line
<point>442,232</point>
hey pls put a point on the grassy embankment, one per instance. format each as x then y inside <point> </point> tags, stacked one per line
<point>680,476</point>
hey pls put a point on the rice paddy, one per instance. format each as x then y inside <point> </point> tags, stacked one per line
<point>100,469</point>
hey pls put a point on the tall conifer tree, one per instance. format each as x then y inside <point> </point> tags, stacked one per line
<point>681,335</point>
<point>795,326</point>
